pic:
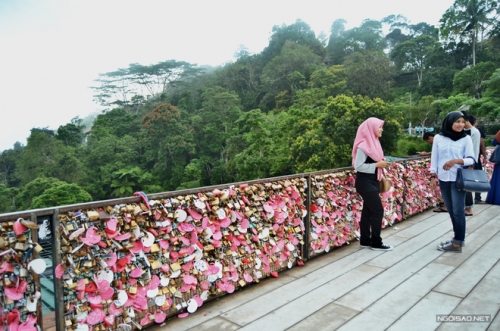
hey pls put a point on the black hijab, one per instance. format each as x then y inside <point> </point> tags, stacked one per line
<point>446,127</point>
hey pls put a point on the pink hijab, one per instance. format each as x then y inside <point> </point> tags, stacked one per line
<point>367,140</point>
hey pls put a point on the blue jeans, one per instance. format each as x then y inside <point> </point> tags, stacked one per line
<point>455,203</point>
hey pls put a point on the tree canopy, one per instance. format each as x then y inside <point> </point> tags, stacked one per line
<point>294,107</point>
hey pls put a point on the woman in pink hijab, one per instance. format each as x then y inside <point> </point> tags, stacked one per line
<point>368,161</point>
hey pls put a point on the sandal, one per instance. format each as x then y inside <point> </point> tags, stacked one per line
<point>440,210</point>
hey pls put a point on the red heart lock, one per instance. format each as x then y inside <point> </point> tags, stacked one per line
<point>91,287</point>
<point>122,262</point>
<point>12,316</point>
<point>174,256</point>
<point>109,320</point>
<point>102,244</point>
<point>109,231</point>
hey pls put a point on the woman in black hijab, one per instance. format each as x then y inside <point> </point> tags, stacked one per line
<point>451,149</point>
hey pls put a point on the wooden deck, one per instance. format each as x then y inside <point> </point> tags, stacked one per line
<point>357,289</point>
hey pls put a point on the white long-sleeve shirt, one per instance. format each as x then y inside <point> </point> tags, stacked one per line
<point>476,141</point>
<point>361,166</point>
<point>444,149</point>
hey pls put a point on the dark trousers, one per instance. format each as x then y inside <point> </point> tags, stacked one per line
<point>372,214</point>
<point>469,202</point>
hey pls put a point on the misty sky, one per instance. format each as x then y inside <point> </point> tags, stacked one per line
<point>52,50</point>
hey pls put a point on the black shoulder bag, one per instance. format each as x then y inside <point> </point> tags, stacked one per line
<point>472,180</point>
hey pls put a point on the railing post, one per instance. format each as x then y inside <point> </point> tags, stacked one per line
<point>36,277</point>
<point>307,220</point>
<point>403,204</point>
<point>58,283</point>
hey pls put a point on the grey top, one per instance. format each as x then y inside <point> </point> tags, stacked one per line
<point>361,166</point>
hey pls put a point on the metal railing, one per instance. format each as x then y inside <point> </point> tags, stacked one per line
<point>311,192</point>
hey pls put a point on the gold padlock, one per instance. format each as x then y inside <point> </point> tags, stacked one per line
<point>38,248</point>
<point>92,215</point>
<point>156,265</point>
<point>175,266</point>
<point>155,248</point>
<point>21,238</point>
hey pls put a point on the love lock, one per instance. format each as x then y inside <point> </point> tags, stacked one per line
<point>192,306</point>
<point>105,275</point>
<point>38,266</point>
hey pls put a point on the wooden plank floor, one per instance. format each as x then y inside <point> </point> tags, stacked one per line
<point>352,288</point>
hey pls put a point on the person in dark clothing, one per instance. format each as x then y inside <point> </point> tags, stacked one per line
<point>428,137</point>
<point>482,152</point>
<point>368,161</point>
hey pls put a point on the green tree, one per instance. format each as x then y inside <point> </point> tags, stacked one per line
<point>243,77</point>
<point>106,156</point>
<point>288,72</point>
<point>214,126</point>
<point>322,139</point>
<point>34,189</point>
<point>299,33</point>
<point>452,103</point>
<point>470,19</point>
<point>8,199</point>
<point>8,161</point>
<point>369,74</point>
<point>71,134</point>
<point>124,87</point>
<point>366,38</point>
<point>332,79</point>
<point>169,144</point>
<point>116,122</point>
<point>129,180</point>
<point>413,55</point>
<point>489,104</point>
<point>425,112</point>
<point>60,195</point>
<point>40,157</point>
<point>266,152</point>
<point>471,80</point>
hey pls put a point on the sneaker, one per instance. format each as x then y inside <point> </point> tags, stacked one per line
<point>364,246</point>
<point>382,247</point>
<point>446,242</point>
<point>450,248</point>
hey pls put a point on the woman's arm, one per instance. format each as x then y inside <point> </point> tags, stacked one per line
<point>361,165</point>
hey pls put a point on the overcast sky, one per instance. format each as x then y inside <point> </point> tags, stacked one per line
<point>51,51</point>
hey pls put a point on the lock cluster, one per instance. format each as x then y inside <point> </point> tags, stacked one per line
<point>19,272</point>
<point>130,265</point>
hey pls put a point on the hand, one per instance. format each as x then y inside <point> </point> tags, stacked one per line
<point>382,164</point>
<point>448,165</point>
<point>433,183</point>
